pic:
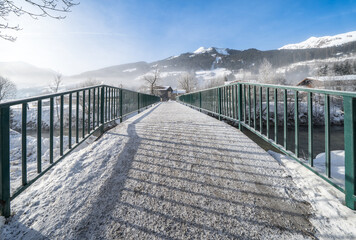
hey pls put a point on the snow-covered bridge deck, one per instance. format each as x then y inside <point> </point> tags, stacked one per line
<point>169,172</point>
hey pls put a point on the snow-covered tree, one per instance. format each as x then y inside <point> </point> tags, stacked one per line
<point>267,74</point>
<point>188,82</point>
<point>7,89</point>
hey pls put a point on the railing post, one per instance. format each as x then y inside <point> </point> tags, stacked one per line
<point>5,161</point>
<point>200,101</point>
<point>239,102</point>
<point>120,104</point>
<point>350,151</point>
<point>102,106</point>
<point>219,99</point>
<point>138,102</point>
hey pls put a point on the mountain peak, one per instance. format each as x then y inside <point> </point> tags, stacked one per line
<point>323,42</point>
<point>201,50</point>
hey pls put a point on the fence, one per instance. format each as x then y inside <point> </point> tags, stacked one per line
<point>73,115</point>
<point>250,105</point>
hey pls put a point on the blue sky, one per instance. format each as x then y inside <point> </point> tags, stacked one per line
<point>109,32</point>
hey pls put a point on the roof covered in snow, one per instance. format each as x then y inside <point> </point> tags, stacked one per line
<point>333,78</point>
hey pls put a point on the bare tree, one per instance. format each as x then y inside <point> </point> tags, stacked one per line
<point>152,78</point>
<point>267,74</point>
<point>215,82</point>
<point>55,86</point>
<point>33,8</point>
<point>188,82</point>
<point>7,89</point>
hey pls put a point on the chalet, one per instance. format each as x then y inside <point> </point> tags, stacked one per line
<point>340,83</point>
<point>164,92</point>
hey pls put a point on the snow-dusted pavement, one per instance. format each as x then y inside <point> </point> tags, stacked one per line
<point>169,172</point>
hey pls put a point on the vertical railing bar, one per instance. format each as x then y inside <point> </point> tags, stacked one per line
<point>70,122</point>
<point>89,108</point>
<point>350,151</point>
<point>327,136</point>
<point>121,104</point>
<point>249,104</point>
<point>94,112</point>
<point>244,102</point>
<point>285,117</point>
<point>219,100</point>
<point>5,161</point>
<point>77,118</point>
<point>24,144</point>
<point>51,124</point>
<point>239,88</point>
<point>276,115</point>
<point>261,118</point>
<point>61,126</point>
<point>310,129</point>
<point>83,114</point>
<point>98,108</point>
<point>267,113</point>
<point>39,136</point>
<point>296,124</point>
<point>254,108</point>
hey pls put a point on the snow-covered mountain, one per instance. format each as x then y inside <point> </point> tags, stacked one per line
<point>323,42</point>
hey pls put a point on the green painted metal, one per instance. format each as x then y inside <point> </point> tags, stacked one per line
<point>51,122</point>
<point>261,118</point>
<point>89,108</point>
<point>102,107</point>
<point>243,101</point>
<point>219,103</point>
<point>24,144</point>
<point>83,115</point>
<point>285,117</point>
<point>296,124</point>
<point>61,126</point>
<point>130,102</point>
<point>98,122</point>
<point>77,119</point>
<point>5,161</point>
<point>310,130</point>
<point>239,89</point>
<point>94,113</point>
<point>121,104</point>
<point>70,122</point>
<point>254,108</point>
<point>267,112</point>
<point>275,115</point>
<point>39,136</point>
<point>249,104</point>
<point>350,151</point>
<point>327,135</point>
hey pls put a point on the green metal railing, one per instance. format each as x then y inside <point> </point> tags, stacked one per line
<point>86,111</point>
<point>250,105</point>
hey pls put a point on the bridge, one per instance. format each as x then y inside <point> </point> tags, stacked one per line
<point>168,172</point>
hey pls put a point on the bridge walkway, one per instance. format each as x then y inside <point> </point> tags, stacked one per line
<point>172,172</point>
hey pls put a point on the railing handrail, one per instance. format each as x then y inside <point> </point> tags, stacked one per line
<point>94,107</point>
<point>234,102</point>
<point>58,94</point>
<point>286,87</point>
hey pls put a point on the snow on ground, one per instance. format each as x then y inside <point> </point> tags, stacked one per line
<point>323,42</point>
<point>169,172</point>
<point>337,161</point>
<point>16,154</point>
<point>331,217</point>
